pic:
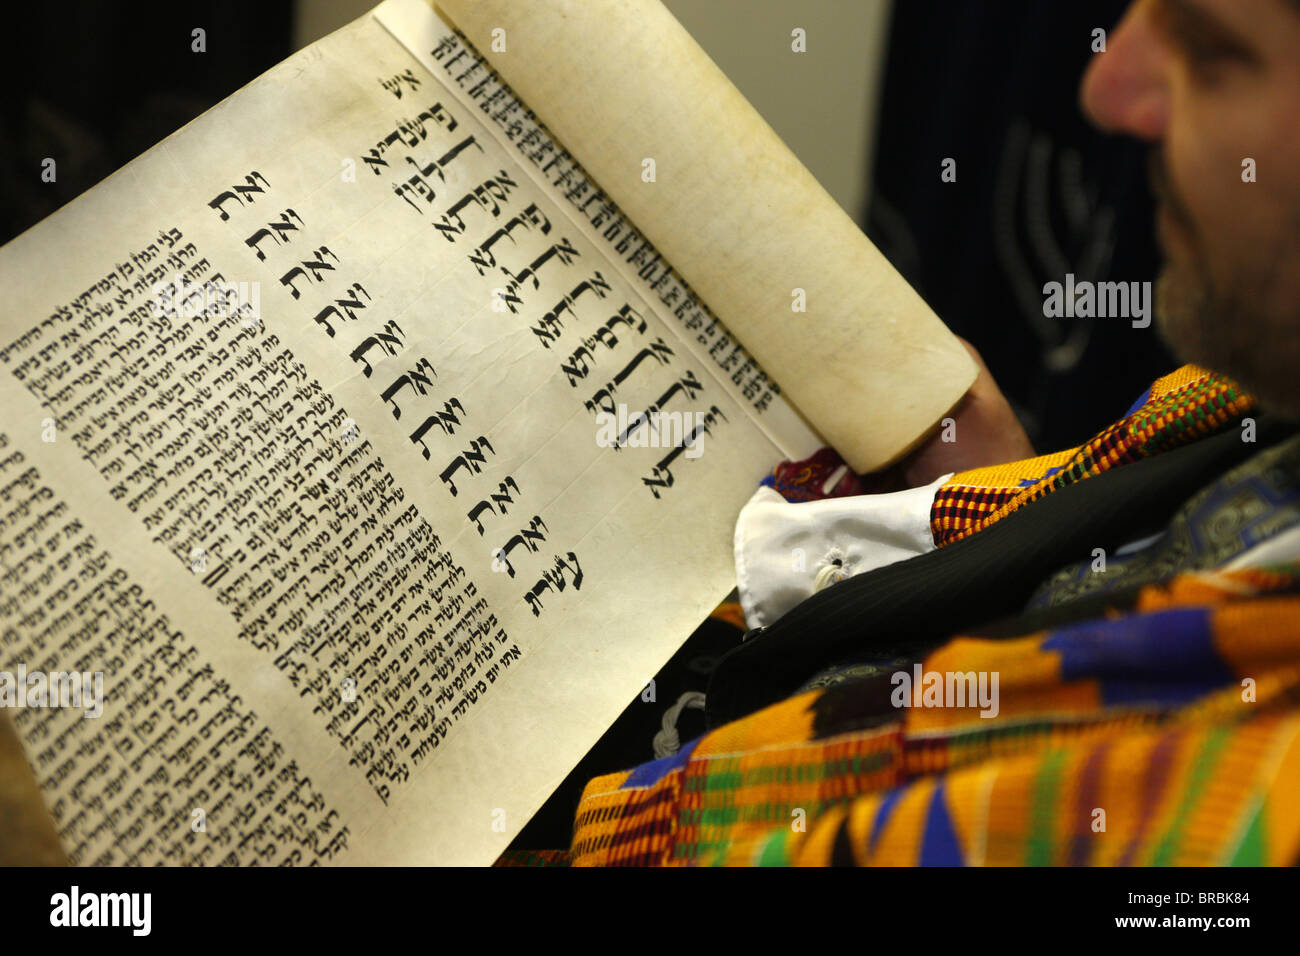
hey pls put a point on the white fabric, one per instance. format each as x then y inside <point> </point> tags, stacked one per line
<point>1279,549</point>
<point>787,551</point>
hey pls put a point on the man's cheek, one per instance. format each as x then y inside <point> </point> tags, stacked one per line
<point>1211,218</point>
<point>1205,152</point>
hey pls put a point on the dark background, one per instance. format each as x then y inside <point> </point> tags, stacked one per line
<point>1039,193</point>
<point>95,84</point>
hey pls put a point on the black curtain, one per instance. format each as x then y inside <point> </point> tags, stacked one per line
<point>92,85</point>
<point>1038,193</point>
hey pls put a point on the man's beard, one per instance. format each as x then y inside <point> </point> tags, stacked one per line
<point>1223,326</point>
<point>1196,322</point>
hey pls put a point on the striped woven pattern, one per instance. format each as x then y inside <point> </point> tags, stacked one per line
<point>532,858</point>
<point>1164,733</point>
<point>1169,734</point>
<point>1179,408</point>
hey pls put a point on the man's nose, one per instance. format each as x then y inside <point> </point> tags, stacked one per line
<point>1125,89</point>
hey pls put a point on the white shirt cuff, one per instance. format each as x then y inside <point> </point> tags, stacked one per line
<point>787,551</point>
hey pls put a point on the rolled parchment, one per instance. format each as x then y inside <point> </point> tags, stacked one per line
<point>662,130</point>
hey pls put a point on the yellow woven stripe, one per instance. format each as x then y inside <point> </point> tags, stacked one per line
<point>761,789</point>
<point>1120,796</point>
<point>789,722</point>
<point>591,840</point>
<point>818,846</point>
<point>1010,801</point>
<point>862,814</point>
<point>1011,474</point>
<point>967,803</point>
<point>1229,794</point>
<point>1178,379</point>
<point>1169,801</point>
<point>1282,804</point>
<point>899,843</point>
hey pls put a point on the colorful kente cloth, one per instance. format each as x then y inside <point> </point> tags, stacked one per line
<point>1188,404</point>
<point>1163,731</point>
<point>1168,735</point>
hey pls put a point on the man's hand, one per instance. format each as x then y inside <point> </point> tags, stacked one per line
<point>987,432</point>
